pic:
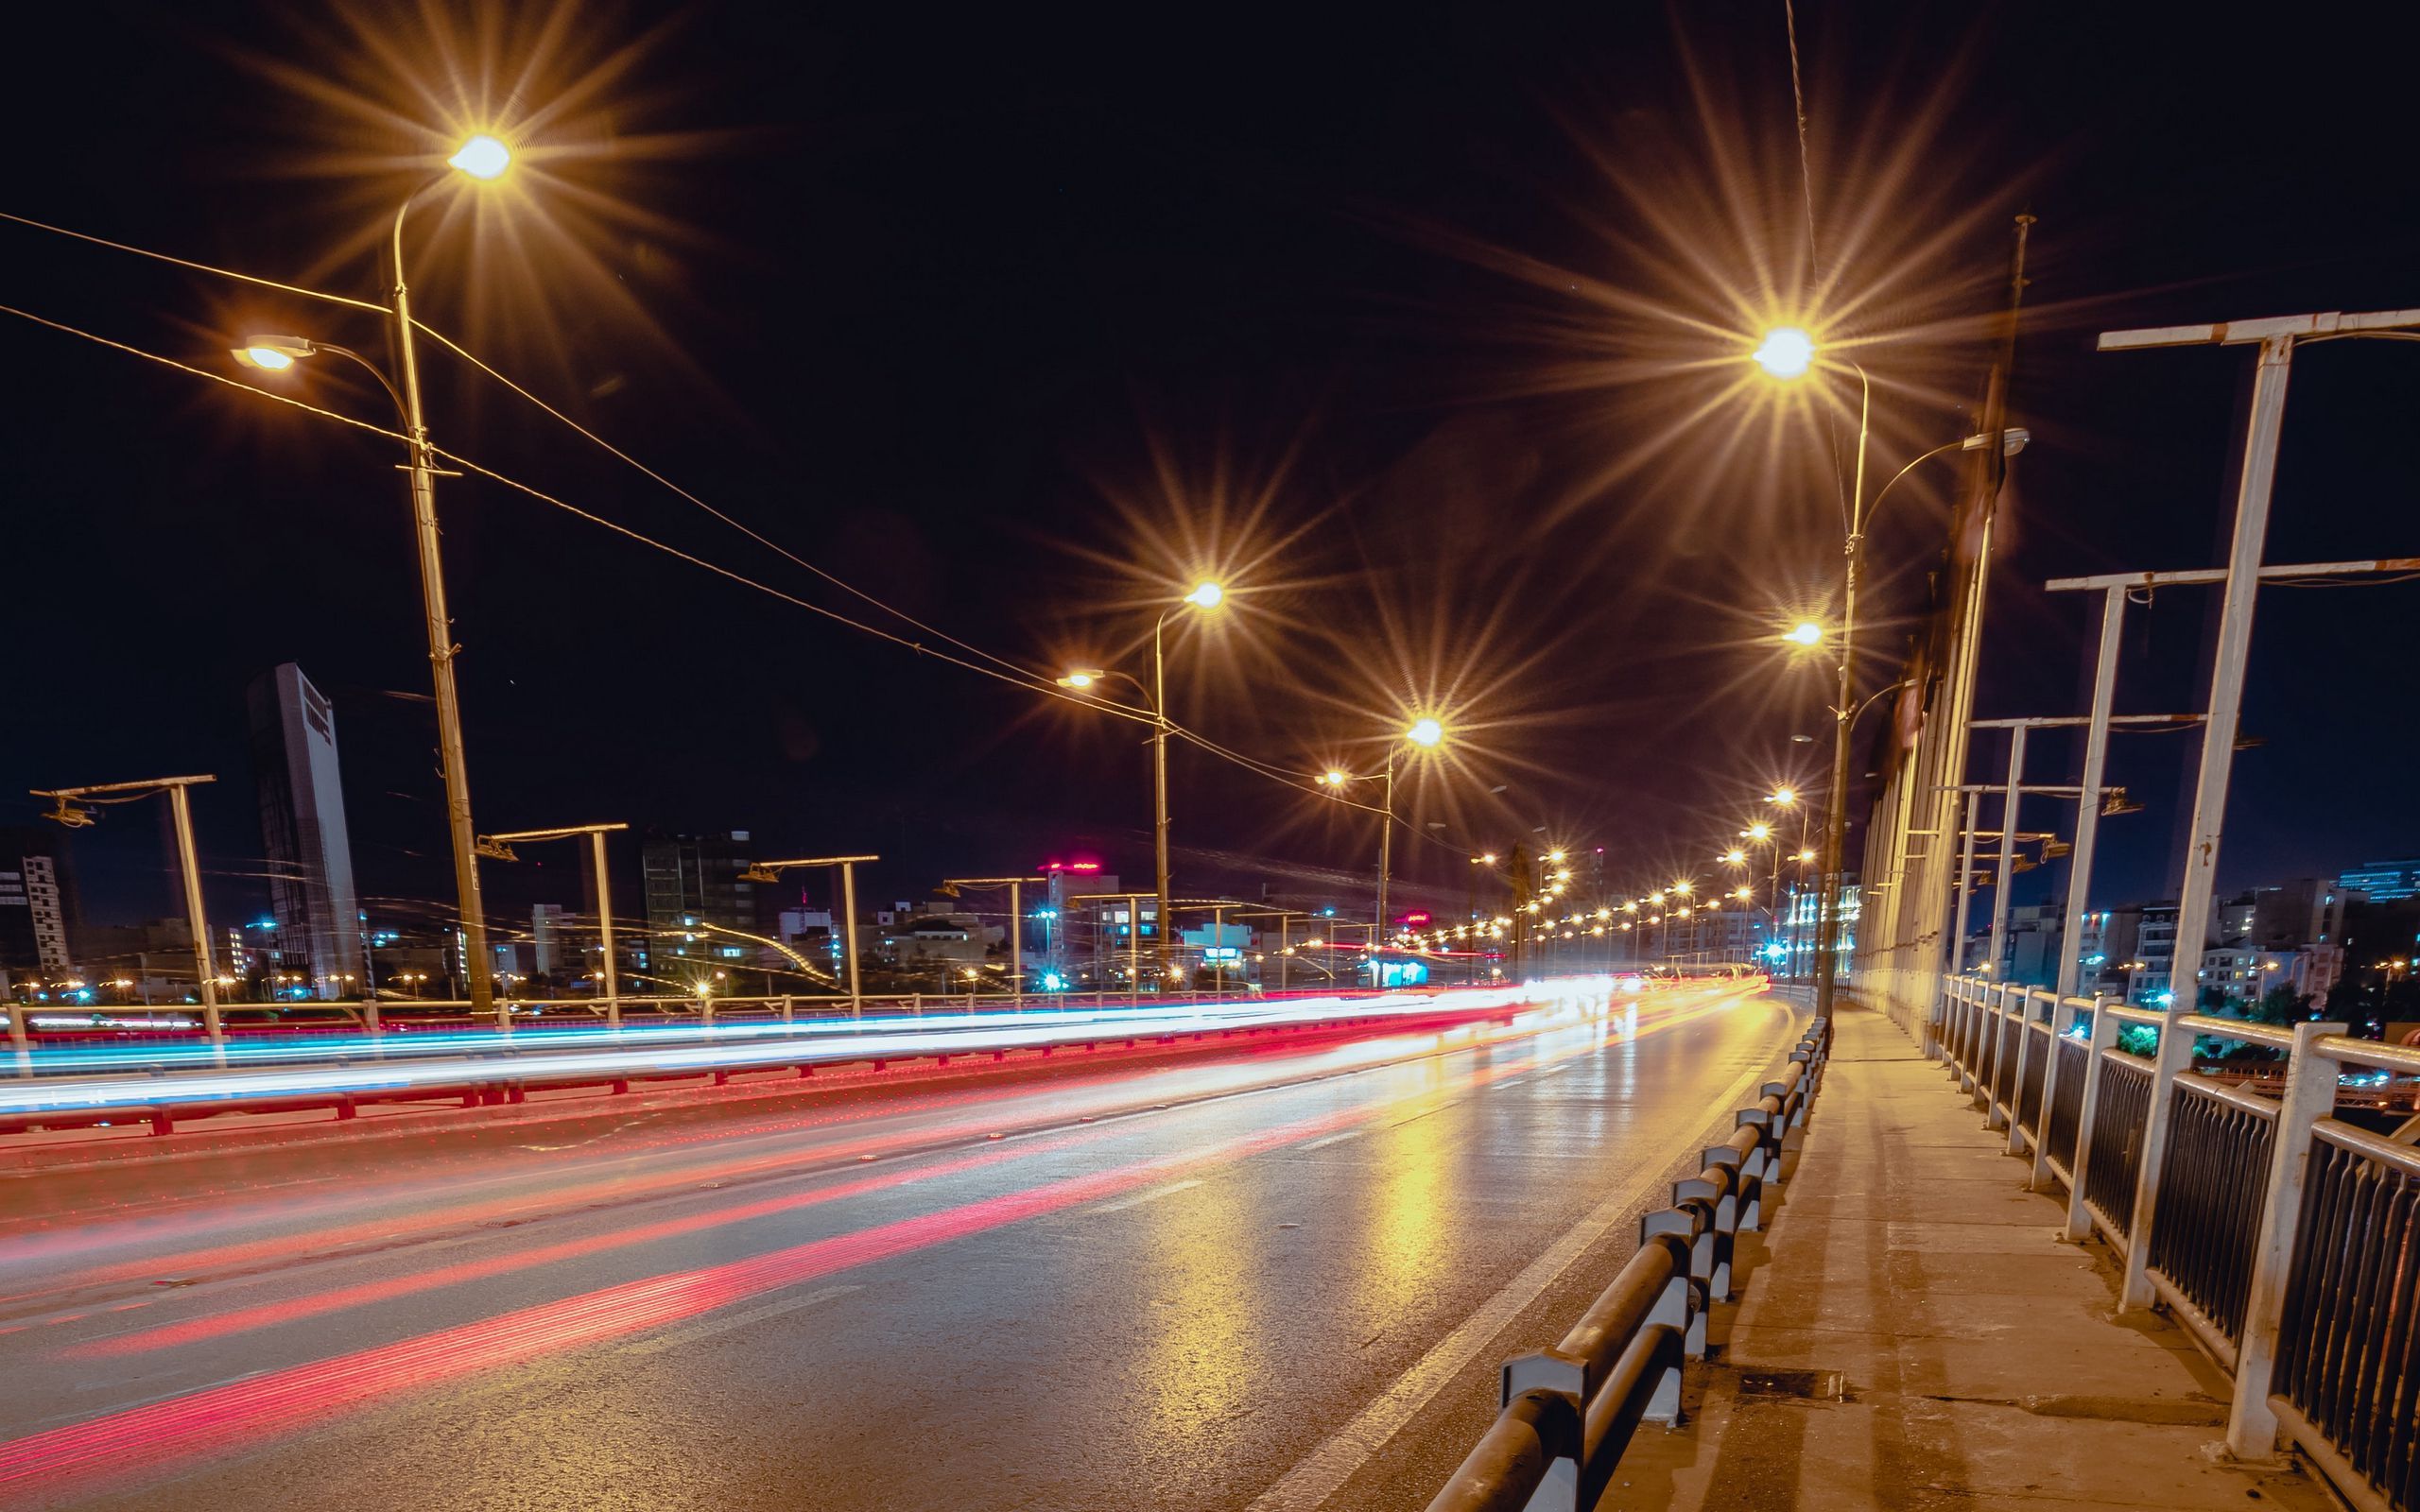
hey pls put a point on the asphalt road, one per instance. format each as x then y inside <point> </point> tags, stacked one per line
<point>1288,1287</point>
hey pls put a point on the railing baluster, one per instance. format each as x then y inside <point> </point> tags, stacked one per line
<point>2310,1095</point>
<point>2104,1037</point>
<point>2175,1053</point>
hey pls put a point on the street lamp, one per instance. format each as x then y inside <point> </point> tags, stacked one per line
<point>950,887</point>
<point>500,847</point>
<point>1787,355</point>
<point>1785,352</point>
<point>1206,596</point>
<point>1425,732</point>
<point>483,158</point>
<point>178,789</point>
<point>771,871</point>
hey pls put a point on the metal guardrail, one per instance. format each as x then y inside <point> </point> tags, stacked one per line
<point>493,1070</point>
<point>181,1023</point>
<point>1570,1411</point>
<point>2285,1241</point>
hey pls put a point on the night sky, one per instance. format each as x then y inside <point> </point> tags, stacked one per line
<point>1415,329</point>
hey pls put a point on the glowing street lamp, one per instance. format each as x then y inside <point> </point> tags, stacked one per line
<point>1206,596</point>
<point>482,157</point>
<point>1425,732</point>
<point>485,157</point>
<point>1785,352</point>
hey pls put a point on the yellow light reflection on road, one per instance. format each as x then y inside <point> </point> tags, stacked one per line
<point>1205,1361</point>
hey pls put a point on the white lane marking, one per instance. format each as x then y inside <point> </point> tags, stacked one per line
<point>1325,1470</point>
<point>1326,1139</point>
<point>1154,1195</point>
<point>735,1320</point>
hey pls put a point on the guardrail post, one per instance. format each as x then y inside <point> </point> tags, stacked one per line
<point>2062,1017</point>
<point>2021,1006</point>
<point>2310,1095</point>
<point>1988,1063</point>
<point>789,1008</point>
<point>1679,1304</point>
<point>2175,1055</point>
<point>2104,1037</point>
<point>1962,1053</point>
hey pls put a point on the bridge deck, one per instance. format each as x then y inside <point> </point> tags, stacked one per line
<point>1980,1361</point>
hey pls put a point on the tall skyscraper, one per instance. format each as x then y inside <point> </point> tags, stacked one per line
<point>37,902</point>
<point>310,860</point>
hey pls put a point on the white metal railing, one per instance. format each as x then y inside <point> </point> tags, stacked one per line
<point>2282,1237</point>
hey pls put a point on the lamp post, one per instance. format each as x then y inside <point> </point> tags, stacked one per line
<point>500,847</point>
<point>1016,922</point>
<point>1205,596</point>
<point>189,866</point>
<point>771,871</point>
<point>484,158</point>
<point>1424,733</point>
<point>1789,353</point>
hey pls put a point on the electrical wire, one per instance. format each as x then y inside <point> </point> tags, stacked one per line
<point>1014,677</point>
<point>1016,674</point>
<point>1814,263</point>
<point>762,539</point>
<point>198,268</point>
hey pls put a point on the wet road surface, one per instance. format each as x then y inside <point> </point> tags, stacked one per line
<point>1287,1287</point>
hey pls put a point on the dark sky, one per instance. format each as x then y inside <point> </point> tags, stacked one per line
<point>1418,328</point>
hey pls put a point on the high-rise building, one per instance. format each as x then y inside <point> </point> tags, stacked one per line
<point>302,798</point>
<point>692,880</point>
<point>2148,972</point>
<point>2384,881</point>
<point>550,944</point>
<point>37,902</point>
<point>2305,911</point>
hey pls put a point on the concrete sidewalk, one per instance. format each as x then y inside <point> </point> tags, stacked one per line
<point>1913,1332</point>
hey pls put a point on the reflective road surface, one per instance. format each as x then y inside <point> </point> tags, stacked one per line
<point>1275,1279</point>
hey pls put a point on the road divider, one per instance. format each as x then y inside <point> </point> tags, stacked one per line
<point>1570,1411</point>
